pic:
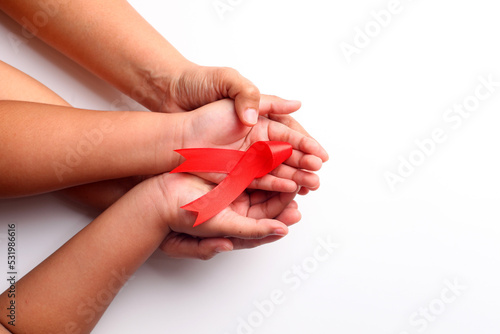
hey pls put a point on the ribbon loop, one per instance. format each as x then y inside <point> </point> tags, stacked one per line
<point>242,168</point>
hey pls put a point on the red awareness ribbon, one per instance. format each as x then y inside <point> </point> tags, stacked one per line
<point>242,168</point>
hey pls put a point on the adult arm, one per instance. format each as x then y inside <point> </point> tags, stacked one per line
<point>113,41</point>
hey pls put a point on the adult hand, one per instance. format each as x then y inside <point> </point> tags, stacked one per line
<point>253,219</point>
<point>195,86</point>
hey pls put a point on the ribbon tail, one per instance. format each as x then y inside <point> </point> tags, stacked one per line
<point>218,198</point>
<point>243,167</point>
<point>208,160</point>
<point>225,193</point>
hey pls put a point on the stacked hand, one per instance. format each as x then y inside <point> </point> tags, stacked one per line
<point>261,214</point>
<point>118,153</point>
<point>195,86</point>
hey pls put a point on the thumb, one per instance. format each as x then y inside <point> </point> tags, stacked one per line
<point>246,103</point>
<point>245,94</point>
<point>271,104</point>
<point>178,245</point>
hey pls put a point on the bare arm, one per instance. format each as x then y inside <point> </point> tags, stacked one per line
<point>76,141</point>
<point>113,41</point>
<point>107,37</point>
<point>46,147</point>
<point>70,290</point>
<point>21,87</point>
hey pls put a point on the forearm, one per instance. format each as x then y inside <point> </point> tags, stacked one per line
<point>46,147</point>
<point>21,87</point>
<point>71,289</point>
<point>101,195</point>
<point>109,38</point>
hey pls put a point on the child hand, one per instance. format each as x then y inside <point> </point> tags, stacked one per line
<point>216,125</point>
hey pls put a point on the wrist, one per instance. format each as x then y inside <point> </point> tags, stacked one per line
<point>140,212</point>
<point>170,136</point>
<point>156,81</point>
<point>164,197</point>
<point>174,191</point>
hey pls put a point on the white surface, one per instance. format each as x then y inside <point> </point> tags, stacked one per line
<point>396,250</point>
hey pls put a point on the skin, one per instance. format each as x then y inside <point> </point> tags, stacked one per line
<point>39,140</point>
<point>100,195</point>
<point>22,87</point>
<point>154,74</point>
<point>149,213</point>
<point>37,126</point>
<point>124,236</point>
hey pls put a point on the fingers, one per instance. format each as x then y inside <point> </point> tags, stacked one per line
<point>268,182</point>
<point>252,243</point>
<point>249,104</point>
<point>299,141</point>
<point>248,101</point>
<point>246,104</point>
<point>288,212</point>
<point>270,104</point>
<point>245,94</point>
<point>303,191</point>
<point>236,231</point>
<point>291,215</point>
<point>304,161</point>
<point>300,177</point>
<point>228,223</point>
<point>290,122</point>
<point>178,245</point>
<point>271,182</point>
<point>270,207</point>
<point>285,178</point>
<point>183,246</point>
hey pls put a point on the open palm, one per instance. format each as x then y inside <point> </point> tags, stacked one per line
<point>253,219</point>
<point>216,125</point>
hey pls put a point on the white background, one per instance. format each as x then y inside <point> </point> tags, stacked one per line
<point>396,249</point>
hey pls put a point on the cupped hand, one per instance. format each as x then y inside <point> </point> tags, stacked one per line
<point>196,86</point>
<point>290,122</point>
<point>216,125</point>
<point>254,218</point>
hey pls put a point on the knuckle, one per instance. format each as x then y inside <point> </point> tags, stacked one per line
<point>252,245</point>
<point>251,90</point>
<point>228,72</point>
<point>257,234</point>
<point>205,256</point>
<point>298,176</point>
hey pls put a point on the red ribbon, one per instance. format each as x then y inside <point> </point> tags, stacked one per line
<point>242,168</point>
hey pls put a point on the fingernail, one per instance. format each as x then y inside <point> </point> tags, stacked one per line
<point>279,231</point>
<point>250,115</point>
<point>221,250</point>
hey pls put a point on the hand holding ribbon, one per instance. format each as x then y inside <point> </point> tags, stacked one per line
<point>242,168</point>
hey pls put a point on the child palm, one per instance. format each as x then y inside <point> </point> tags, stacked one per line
<point>216,125</point>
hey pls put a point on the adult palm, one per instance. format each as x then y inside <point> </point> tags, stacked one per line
<point>253,219</point>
